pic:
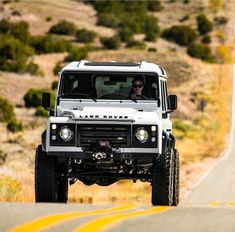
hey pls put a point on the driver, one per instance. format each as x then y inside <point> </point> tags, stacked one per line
<point>137,88</point>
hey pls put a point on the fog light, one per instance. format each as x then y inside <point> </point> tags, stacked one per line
<point>53,126</point>
<point>53,137</point>
<point>153,139</point>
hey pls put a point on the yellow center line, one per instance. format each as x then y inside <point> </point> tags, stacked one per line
<point>52,220</point>
<point>101,224</point>
<point>215,203</point>
<point>230,203</point>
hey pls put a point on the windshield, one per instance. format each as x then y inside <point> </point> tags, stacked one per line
<point>121,86</point>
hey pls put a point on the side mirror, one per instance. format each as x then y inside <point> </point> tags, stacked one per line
<point>46,100</point>
<point>172,102</point>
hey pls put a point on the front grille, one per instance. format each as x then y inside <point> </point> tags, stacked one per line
<point>116,135</point>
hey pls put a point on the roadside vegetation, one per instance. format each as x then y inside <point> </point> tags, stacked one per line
<point>17,46</point>
<point>7,115</point>
<point>206,131</point>
<point>33,99</point>
<point>9,189</point>
<point>129,17</point>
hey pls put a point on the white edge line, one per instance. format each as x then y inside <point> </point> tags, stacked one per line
<point>225,154</point>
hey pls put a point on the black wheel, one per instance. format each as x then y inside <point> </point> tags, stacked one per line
<point>162,179</point>
<point>62,195</point>
<point>176,188</point>
<point>49,185</point>
<point>45,177</point>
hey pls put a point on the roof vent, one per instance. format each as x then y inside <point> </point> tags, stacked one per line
<point>118,64</point>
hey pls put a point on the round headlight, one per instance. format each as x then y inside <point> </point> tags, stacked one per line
<point>66,134</point>
<point>142,135</point>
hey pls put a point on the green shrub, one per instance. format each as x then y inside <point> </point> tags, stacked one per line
<point>206,39</point>
<point>151,28</point>
<point>151,36</point>
<point>76,54</point>
<point>128,14</point>
<point>48,19</point>
<point>5,26</point>
<point>18,30</point>
<point>6,110</point>
<point>33,97</point>
<point>85,36</point>
<point>54,85</point>
<point>14,54</point>
<point>200,51</point>
<point>63,28</point>
<point>134,23</point>
<point>33,69</point>
<point>125,34</point>
<point>49,44</point>
<point>204,25</point>
<point>21,31</point>
<point>6,1</point>
<point>152,50</point>
<point>108,20</point>
<point>14,126</point>
<point>113,42</point>
<point>41,112</point>
<point>136,44</point>
<point>57,68</point>
<point>154,5</point>
<point>182,35</point>
<point>7,114</point>
<point>182,128</point>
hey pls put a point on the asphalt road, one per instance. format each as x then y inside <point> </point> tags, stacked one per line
<point>209,206</point>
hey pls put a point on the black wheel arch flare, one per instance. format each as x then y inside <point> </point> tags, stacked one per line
<point>168,142</point>
<point>43,139</point>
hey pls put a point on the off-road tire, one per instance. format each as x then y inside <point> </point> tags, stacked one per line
<point>62,195</point>
<point>162,179</point>
<point>176,188</point>
<point>45,177</point>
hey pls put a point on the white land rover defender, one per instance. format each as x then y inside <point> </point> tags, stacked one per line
<point>110,122</point>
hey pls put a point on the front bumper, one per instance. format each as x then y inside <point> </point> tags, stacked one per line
<point>115,156</point>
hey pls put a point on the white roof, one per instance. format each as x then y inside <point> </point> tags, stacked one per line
<point>114,66</point>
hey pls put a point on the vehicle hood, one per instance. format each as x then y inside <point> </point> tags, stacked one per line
<point>112,114</point>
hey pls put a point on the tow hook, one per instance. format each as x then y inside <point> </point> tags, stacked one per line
<point>100,155</point>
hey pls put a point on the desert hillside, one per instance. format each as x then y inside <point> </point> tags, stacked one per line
<point>197,59</point>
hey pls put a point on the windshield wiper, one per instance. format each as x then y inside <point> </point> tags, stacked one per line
<point>79,95</point>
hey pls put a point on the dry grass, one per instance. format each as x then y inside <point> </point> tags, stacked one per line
<point>208,136</point>
<point>120,192</point>
<point>9,188</point>
<point>36,12</point>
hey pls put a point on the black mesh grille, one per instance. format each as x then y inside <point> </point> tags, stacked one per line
<point>116,135</point>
